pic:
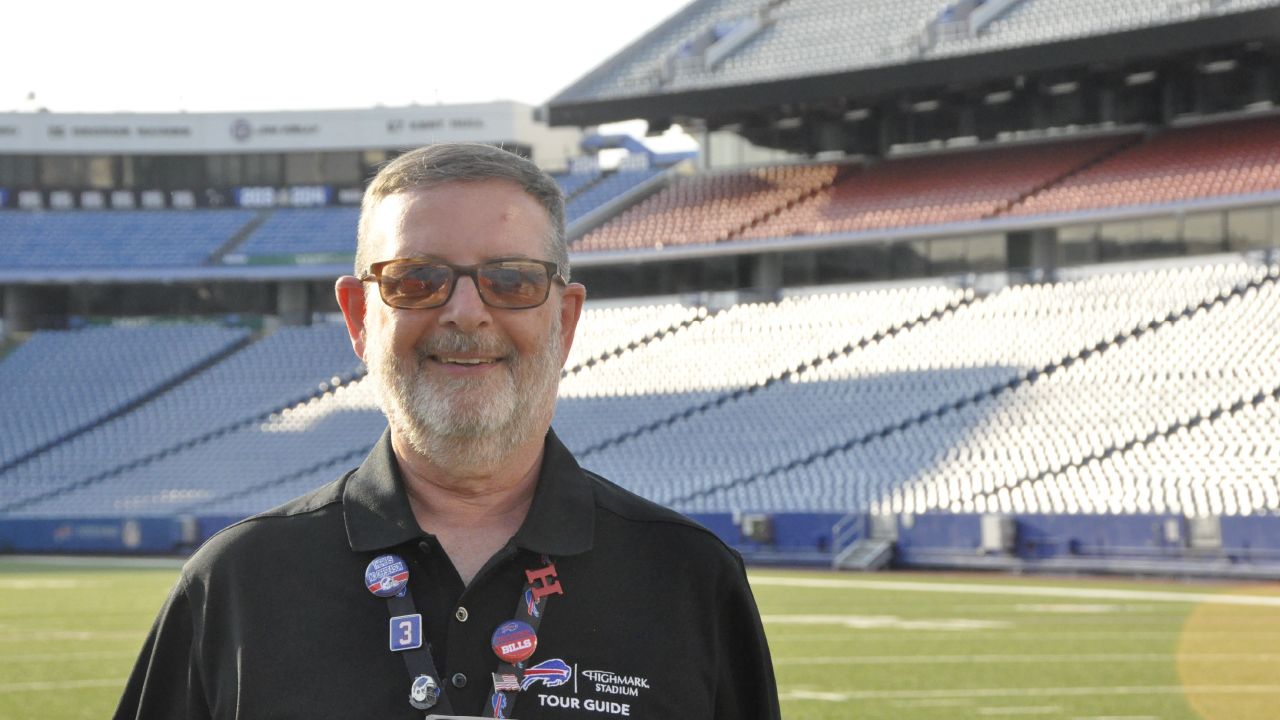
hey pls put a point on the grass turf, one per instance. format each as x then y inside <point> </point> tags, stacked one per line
<point>844,645</point>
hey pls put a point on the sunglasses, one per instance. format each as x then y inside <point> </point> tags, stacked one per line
<point>423,284</point>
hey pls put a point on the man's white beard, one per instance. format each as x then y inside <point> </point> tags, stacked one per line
<point>464,424</point>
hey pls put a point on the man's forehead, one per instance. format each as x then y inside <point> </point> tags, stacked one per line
<point>492,216</point>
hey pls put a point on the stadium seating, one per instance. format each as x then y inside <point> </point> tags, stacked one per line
<point>573,183</point>
<point>116,238</point>
<point>708,208</point>
<point>958,460</point>
<point>1233,158</point>
<point>608,187</point>
<point>1036,398</point>
<point>1032,23</point>
<point>297,231</point>
<point>61,382</point>
<point>806,38</point>
<point>270,375</point>
<point>934,189</point>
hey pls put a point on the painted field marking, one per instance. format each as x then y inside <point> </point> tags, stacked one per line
<point>1025,590</point>
<point>866,622</point>
<point>930,702</point>
<point>1020,659</point>
<point>1116,717</point>
<point>54,635</point>
<point>1032,710</point>
<point>1029,692</point>
<point>37,686</point>
<point>87,655</point>
<point>42,584</point>
<point>1068,608</point>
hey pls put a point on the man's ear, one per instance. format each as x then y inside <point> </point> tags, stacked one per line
<point>350,293</point>
<point>571,300</point>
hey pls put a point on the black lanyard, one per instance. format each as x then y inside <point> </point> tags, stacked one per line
<point>530,609</point>
<point>426,689</point>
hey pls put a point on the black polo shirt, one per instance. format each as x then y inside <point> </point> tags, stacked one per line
<point>271,617</point>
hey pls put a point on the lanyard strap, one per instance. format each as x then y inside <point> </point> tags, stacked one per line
<point>418,660</point>
<point>530,608</point>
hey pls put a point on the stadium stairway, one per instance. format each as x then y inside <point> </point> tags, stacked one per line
<point>614,352</point>
<point>327,466</point>
<point>1089,164</point>
<point>993,392</point>
<point>787,375</point>
<point>1166,431</point>
<point>842,173</point>
<point>233,242</point>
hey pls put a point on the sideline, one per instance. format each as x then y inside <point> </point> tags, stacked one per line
<point>1055,591</point>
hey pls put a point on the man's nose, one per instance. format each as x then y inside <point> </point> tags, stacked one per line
<point>465,310</point>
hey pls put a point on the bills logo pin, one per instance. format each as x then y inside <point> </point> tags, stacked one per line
<point>386,576</point>
<point>424,692</point>
<point>498,705</point>
<point>531,603</point>
<point>514,642</point>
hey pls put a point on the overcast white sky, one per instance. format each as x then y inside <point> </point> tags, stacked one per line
<point>228,55</point>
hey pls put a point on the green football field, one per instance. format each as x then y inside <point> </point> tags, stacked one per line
<point>900,645</point>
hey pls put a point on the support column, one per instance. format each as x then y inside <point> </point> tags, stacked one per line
<point>28,308</point>
<point>293,303</point>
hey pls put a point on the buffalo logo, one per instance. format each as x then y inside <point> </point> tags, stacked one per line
<point>551,673</point>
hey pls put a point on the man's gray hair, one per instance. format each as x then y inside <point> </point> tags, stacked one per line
<point>446,163</point>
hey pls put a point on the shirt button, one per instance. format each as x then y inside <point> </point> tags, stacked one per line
<point>459,680</point>
<point>461,614</point>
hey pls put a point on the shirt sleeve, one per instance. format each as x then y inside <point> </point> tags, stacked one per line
<point>746,688</point>
<point>166,682</point>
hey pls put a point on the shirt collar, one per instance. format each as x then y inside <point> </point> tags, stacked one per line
<point>561,519</point>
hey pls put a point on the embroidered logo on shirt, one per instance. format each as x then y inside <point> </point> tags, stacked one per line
<point>551,673</point>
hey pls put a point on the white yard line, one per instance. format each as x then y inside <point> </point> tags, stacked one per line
<point>1032,710</point>
<point>87,655</point>
<point>1031,692</point>
<point>38,686</point>
<point>1054,591</point>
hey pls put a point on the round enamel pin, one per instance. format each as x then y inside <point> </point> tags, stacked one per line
<point>386,576</point>
<point>514,642</point>
<point>424,692</point>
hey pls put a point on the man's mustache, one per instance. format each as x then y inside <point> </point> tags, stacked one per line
<point>456,342</point>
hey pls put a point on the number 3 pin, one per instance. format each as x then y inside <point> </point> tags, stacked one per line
<point>406,632</point>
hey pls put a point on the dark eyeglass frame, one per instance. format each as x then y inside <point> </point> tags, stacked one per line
<point>374,273</point>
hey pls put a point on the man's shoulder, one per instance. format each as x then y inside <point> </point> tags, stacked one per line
<point>651,518</point>
<point>305,519</point>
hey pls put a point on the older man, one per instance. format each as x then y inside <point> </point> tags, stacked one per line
<point>468,566</point>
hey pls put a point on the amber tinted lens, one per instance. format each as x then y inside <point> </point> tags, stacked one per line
<point>514,284</point>
<point>415,285</point>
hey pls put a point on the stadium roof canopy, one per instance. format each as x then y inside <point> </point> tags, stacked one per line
<point>720,62</point>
